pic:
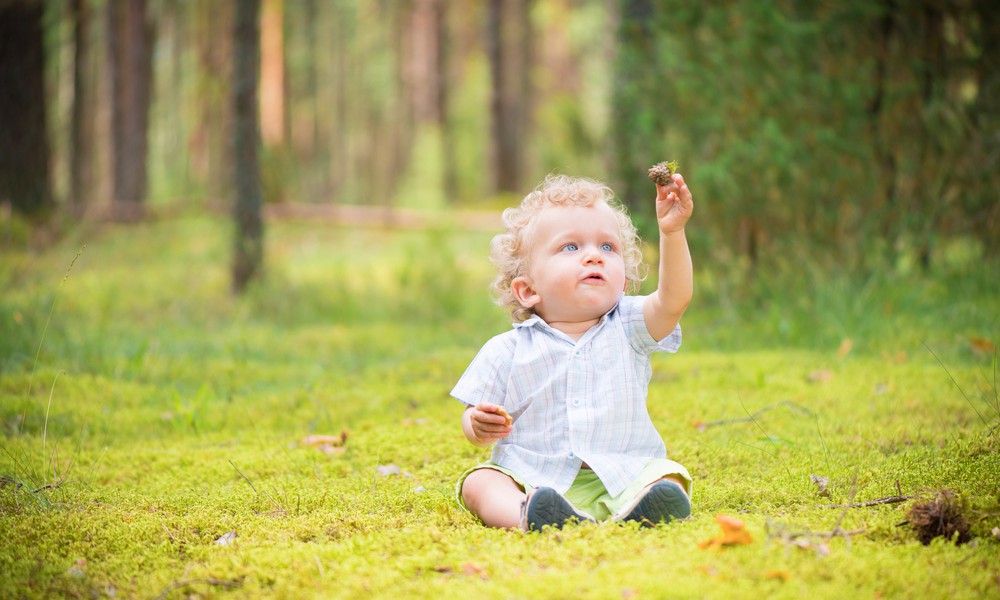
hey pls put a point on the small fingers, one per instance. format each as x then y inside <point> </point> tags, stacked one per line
<point>488,424</point>
<point>662,191</point>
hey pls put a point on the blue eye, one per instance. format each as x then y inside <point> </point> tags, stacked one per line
<point>570,247</point>
<point>607,247</point>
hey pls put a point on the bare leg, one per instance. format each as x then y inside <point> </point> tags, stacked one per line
<point>493,497</point>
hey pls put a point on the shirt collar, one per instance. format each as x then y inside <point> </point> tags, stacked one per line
<point>536,321</point>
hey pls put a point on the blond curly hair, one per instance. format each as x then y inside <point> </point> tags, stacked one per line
<point>509,250</point>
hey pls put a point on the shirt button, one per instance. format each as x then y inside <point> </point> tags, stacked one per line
<point>572,455</point>
<point>576,403</point>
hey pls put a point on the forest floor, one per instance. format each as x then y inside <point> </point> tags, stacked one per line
<point>163,439</point>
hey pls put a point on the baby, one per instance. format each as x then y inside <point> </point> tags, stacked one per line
<point>573,373</point>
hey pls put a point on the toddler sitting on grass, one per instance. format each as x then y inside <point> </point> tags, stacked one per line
<point>563,394</point>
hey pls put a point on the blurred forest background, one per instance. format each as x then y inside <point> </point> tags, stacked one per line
<point>861,134</point>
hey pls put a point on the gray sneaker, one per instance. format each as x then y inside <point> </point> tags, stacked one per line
<point>664,501</point>
<point>548,507</point>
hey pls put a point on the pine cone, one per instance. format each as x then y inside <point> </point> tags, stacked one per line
<point>660,172</point>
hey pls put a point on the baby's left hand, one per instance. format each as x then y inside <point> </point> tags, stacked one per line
<point>674,205</point>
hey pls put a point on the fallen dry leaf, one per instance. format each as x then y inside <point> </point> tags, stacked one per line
<point>326,440</point>
<point>845,348</point>
<point>778,574</point>
<point>734,533</point>
<point>327,444</point>
<point>471,568</point>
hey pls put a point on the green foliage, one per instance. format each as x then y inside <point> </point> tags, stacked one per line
<point>162,414</point>
<point>801,122</point>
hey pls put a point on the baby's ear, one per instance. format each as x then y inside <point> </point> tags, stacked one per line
<point>525,294</point>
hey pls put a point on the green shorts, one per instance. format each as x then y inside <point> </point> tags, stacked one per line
<point>588,494</point>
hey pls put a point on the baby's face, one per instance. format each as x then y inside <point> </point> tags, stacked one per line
<point>575,262</point>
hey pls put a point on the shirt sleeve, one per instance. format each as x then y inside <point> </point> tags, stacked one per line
<point>485,380</point>
<point>630,312</point>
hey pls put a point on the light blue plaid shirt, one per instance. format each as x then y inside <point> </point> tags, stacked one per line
<point>572,402</point>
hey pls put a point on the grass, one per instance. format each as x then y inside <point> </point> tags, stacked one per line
<point>158,414</point>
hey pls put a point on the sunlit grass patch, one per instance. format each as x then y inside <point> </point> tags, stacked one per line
<point>159,443</point>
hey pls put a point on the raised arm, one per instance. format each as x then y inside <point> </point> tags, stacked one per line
<point>664,307</point>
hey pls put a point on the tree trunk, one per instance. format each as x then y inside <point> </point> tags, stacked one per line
<point>24,147</point>
<point>130,52</point>
<point>249,239</point>
<point>509,51</point>
<point>81,131</point>
<point>400,125</point>
<point>272,74</point>
<point>339,158</point>
<point>312,78</point>
<point>501,168</point>
<point>445,80</point>
<point>425,76</point>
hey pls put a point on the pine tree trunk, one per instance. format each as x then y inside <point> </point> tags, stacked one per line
<point>445,82</point>
<point>272,74</point>
<point>81,131</point>
<point>249,239</point>
<point>494,51</point>
<point>130,52</point>
<point>24,147</point>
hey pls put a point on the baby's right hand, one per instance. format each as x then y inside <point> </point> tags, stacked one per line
<point>490,422</point>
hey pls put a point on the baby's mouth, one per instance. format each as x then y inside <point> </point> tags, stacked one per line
<point>593,278</point>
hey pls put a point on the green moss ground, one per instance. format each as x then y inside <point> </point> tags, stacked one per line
<point>170,414</point>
